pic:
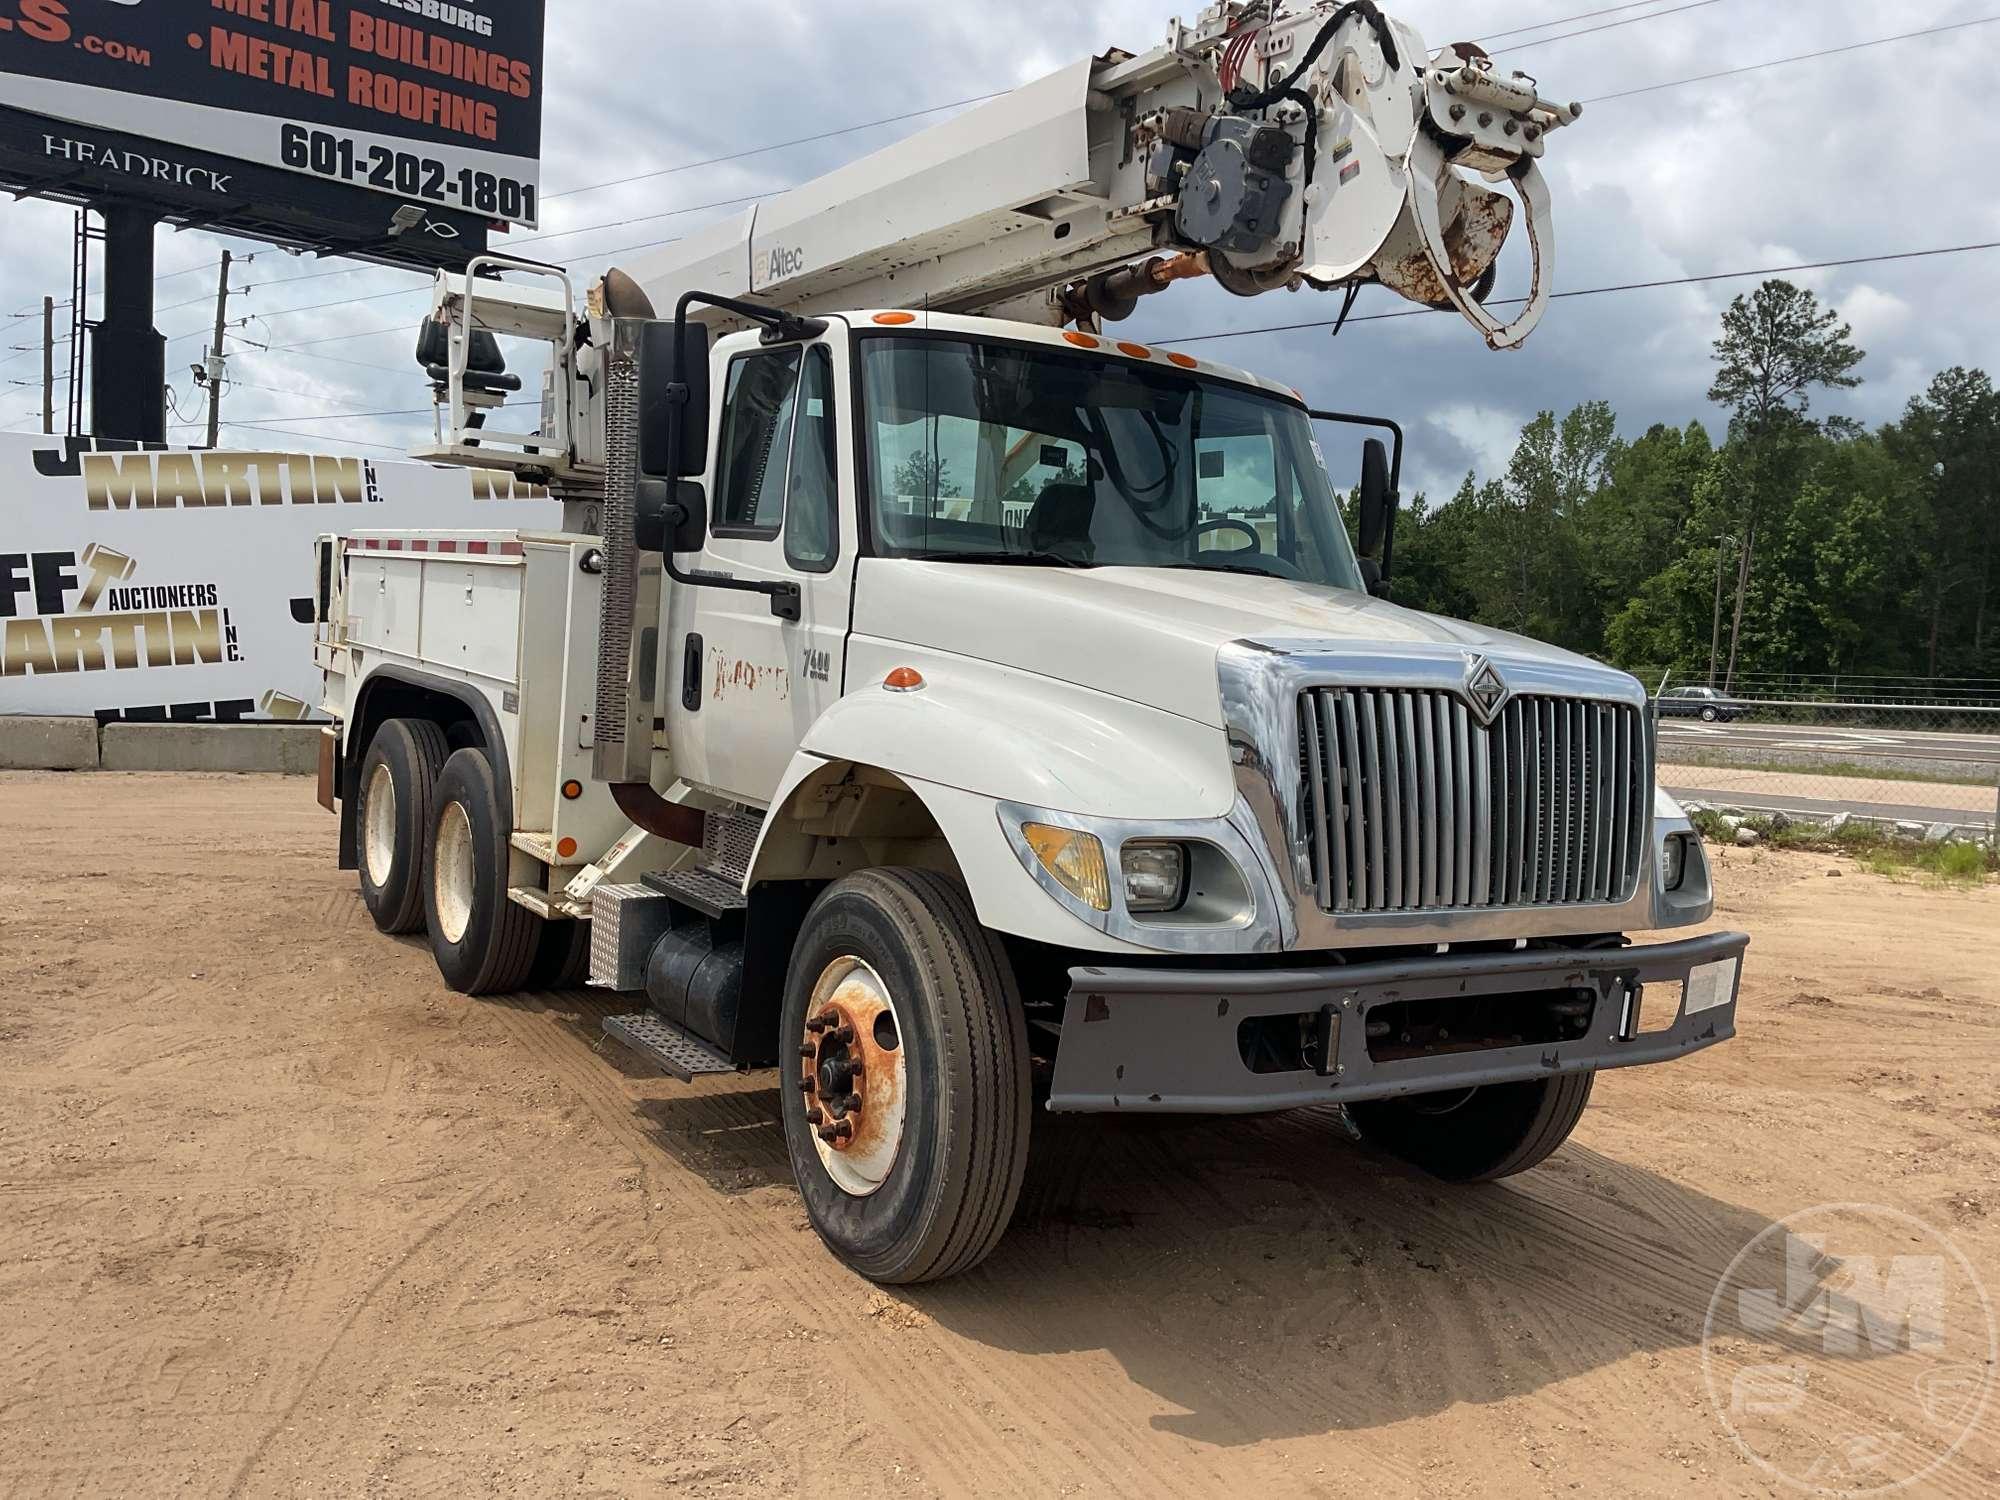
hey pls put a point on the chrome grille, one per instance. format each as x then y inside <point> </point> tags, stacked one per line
<point>1409,804</point>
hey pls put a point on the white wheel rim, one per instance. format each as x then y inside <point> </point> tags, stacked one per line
<point>378,825</point>
<point>852,1020</point>
<point>451,872</point>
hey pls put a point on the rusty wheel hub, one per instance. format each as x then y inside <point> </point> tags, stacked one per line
<point>851,1074</point>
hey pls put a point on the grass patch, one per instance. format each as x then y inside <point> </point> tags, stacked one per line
<point>1877,848</point>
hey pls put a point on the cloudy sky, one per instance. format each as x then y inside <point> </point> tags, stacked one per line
<point>1872,151</point>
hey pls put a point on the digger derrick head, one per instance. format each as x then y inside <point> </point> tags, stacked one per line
<point>1377,185</point>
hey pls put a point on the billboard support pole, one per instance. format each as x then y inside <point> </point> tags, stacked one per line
<point>128,357</point>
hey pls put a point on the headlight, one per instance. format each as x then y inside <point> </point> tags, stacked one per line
<point>1075,859</point>
<point>1155,876</point>
<point>1673,861</point>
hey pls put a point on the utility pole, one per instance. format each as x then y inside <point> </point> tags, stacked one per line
<point>48,364</point>
<point>215,356</point>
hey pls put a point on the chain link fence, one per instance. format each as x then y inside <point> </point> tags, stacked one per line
<point>1925,768</point>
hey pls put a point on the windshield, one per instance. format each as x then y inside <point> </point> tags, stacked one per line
<point>986,452</point>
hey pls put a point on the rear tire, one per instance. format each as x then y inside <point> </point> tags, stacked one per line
<point>484,943</point>
<point>957,1100</point>
<point>1478,1134</point>
<point>1709,715</point>
<point>562,955</point>
<point>397,787</point>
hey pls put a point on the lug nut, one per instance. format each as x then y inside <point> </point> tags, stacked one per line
<point>805,1085</point>
<point>842,1129</point>
<point>853,1104</point>
<point>827,1134</point>
<point>846,1035</point>
<point>815,1116</point>
<point>808,1052</point>
<point>815,1026</point>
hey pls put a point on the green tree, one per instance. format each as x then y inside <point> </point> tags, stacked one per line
<point>1777,346</point>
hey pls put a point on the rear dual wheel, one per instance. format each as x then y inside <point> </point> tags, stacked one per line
<point>398,786</point>
<point>484,943</point>
<point>1476,1134</point>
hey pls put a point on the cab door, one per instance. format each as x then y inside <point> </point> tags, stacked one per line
<point>748,683</point>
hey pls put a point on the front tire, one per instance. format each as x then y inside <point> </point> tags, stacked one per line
<point>484,943</point>
<point>893,975</point>
<point>397,787</point>
<point>1477,1134</point>
<point>1709,715</point>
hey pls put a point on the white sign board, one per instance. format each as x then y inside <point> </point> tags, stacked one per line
<point>177,584</point>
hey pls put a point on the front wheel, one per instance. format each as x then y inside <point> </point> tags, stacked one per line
<point>906,1076</point>
<point>1476,1134</point>
<point>1709,715</point>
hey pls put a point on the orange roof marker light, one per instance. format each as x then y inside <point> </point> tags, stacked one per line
<point>572,789</point>
<point>1082,340</point>
<point>903,680</point>
<point>1137,351</point>
<point>896,319</point>
<point>566,849</point>
<point>1185,361</point>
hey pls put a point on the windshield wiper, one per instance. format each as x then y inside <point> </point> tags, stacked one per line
<point>1019,559</point>
<point>1221,567</point>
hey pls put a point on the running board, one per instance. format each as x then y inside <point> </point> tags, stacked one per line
<point>657,1039</point>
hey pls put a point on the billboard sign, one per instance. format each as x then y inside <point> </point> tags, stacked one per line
<point>177,584</point>
<point>369,104</point>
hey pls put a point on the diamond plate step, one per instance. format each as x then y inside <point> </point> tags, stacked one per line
<point>685,1056</point>
<point>707,891</point>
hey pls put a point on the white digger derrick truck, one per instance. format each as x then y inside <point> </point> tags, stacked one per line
<point>964,711</point>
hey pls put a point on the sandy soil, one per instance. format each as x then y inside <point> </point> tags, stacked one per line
<point>281,1215</point>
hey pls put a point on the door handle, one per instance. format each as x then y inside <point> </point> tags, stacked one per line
<point>691,673</point>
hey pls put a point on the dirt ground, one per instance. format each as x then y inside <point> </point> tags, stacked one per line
<point>279,1214</point>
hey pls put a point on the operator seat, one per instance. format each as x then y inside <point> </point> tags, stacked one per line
<point>1060,521</point>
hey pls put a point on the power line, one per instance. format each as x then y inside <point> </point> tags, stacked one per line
<point>1608,26</point>
<point>1596,291</point>
<point>1589,15</point>
<point>1778,62</point>
<point>343,416</point>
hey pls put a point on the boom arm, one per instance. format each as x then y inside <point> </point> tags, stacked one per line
<point>1322,147</point>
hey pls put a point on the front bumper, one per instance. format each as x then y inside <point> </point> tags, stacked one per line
<point>1174,1040</point>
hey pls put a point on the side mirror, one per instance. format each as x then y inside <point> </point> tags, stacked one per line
<point>673,400</point>
<point>1377,502</point>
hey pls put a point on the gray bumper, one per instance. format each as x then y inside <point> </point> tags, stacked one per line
<point>1167,1040</point>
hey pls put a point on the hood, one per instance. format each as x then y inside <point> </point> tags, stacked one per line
<point>1147,634</point>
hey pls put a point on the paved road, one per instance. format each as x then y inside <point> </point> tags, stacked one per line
<point>1859,743</point>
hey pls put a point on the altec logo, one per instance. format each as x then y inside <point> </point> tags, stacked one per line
<point>785,263</point>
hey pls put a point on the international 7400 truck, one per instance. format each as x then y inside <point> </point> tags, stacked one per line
<point>965,712</point>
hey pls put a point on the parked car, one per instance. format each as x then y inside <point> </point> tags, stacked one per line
<point>1703,703</point>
